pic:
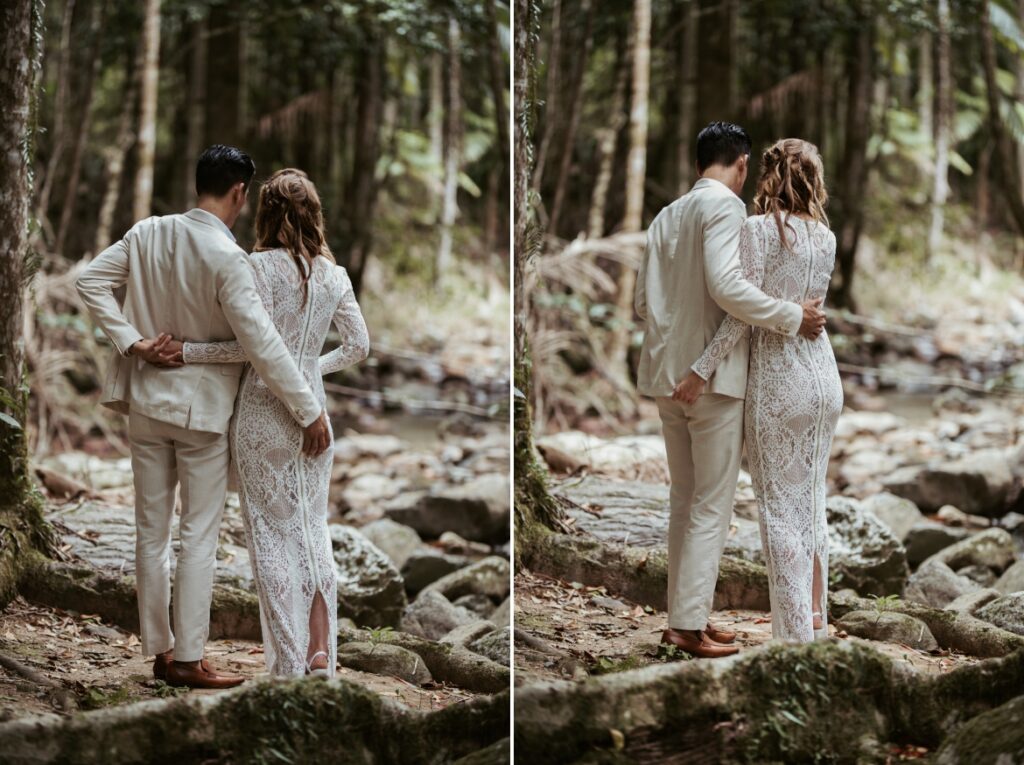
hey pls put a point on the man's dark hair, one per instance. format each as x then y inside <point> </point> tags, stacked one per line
<point>220,167</point>
<point>721,143</point>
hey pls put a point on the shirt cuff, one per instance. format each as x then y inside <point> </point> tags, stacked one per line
<point>792,325</point>
<point>123,341</point>
<point>698,373</point>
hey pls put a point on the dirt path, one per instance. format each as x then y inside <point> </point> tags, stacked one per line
<point>100,665</point>
<point>581,631</point>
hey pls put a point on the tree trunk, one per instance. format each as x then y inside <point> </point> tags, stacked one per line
<point>925,88</point>
<point>551,90</point>
<point>452,149</point>
<point>573,120</point>
<point>99,10</point>
<point>854,168</point>
<point>60,108</point>
<point>1019,93</point>
<point>688,71</point>
<point>196,108</point>
<point>21,522</point>
<point>607,138</point>
<point>496,218</point>
<point>362,191</point>
<point>115,156</point>
<point>336,145</point>
<point>636,174</point>
<point>535,510</point>
<point>1006,164</point>
<point>435,125</point>
<point>943,120</point>
<point>222,76</point>
<point>150,78</point>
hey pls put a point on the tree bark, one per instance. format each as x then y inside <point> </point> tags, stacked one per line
<point>99,10</point>
<point>573,120</point>
<point>435,125</point>
<point>1006,164</point>
<point>607,138</point>
<point>196,108</point>
<point>22,527</point>
<point>115,156</point>
<point>222,76</point>
<point>150,77</point>
<point>636,174</point>
<point>925,88</point>
<point>452,149</point>
<point>943,120</point>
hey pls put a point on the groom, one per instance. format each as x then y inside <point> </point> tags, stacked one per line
<point>689,279</point>
<point>185,276</point>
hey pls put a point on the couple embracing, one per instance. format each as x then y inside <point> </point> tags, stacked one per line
<point>709,273</point>
<point>217,365</point>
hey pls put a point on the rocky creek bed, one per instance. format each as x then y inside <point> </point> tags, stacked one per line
<point>420,531</point>
<point>926,524</point>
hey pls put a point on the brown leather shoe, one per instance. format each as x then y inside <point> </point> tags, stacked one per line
<point>199,676</point>
<point>160,664</point>
<point>718,635</point>
<point>698,645</point>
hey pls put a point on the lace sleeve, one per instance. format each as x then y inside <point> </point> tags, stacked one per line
<point>231,351</point>
<point>732,329</point>
<point>348,319</point>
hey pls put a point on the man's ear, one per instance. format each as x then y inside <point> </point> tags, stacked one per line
<point>744,160</point>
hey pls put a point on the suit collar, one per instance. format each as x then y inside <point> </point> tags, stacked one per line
<point>703,183</point>
<point>202,216</point>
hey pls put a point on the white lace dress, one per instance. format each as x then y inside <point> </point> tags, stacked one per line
<point>794,397</point>
<point>284,493</point>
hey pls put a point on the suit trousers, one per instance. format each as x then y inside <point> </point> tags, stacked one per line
<point>164,456</point>
<point>703,442</point>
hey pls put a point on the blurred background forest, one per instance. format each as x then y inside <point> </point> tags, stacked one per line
<point>916,108</point>
<point>376,101</point>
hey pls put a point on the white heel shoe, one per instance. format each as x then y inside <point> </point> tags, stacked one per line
<point>319,671</point>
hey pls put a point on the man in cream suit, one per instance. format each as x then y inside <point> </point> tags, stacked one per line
<point>689,279</point>
<point>185,277</point>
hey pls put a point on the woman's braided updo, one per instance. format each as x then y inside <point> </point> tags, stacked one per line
<point>792,182</point>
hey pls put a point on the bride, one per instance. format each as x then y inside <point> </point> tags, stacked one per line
<point>794,394</point>
<point>283,492</point>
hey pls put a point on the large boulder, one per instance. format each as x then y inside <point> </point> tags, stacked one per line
<point>982,482</point>
<point>629,512</point>
<point>1006,612</point>
<point>863,554</point>
<point>427,565</point>
<point>897,513</point>
<point>383,659</point>
<point>927,537</point>
<point>396,541</point>
<point>992,548</point>
<point>1012,579</point>
<point>937,585</point>
<point>970,602</point>
<point>889,627</point>
<point>433,616</point>
<point>477,510</point>
<point>370,589</point>
<point>744,540</point>
<point>496,645</point>
<point>489,577</point>
<point>623,457</point>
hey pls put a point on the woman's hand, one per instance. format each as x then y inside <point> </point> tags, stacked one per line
<point>689,390</point>
<point>170,352</point>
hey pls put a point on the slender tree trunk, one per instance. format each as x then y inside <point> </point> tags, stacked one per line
<point>115,156</point>
<point>550,95</point>
<point>336,143</point>
<point>1006,164</point>
<point>983,201</point>
<point>573,121</point>
<point>196,108</point>
<point>1019,93</point>
<point>435,124</point>
<point>854,169</point>
<point>943,120</point>
<point>242,91</point>
<point>636,174</point>
<point>60,108</point>
<point>150,77</point>
<point>497,178</point>
<point>926,88</point>
<point>99,9</point>
<point>607,138</point>
<point>222,75</point>
<point>689,62</point>
<point>453,149</point>
<point>534,508</point>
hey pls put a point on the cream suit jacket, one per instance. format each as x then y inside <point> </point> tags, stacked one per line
<point>184,275</point>
<point>689,278</point>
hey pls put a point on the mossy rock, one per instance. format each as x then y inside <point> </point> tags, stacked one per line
<point>992,738</point>
<point>890,627</point>
<point>384,659</point>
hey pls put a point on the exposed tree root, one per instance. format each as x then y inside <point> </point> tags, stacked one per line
<point>447,662</point>
<point>305,720</point>
<point>953,630</point>
<point>56,691</point>
<point>845,701</point>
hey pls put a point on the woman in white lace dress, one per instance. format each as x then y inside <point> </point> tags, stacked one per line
<point>794,394</point>
<point>283,492</point>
